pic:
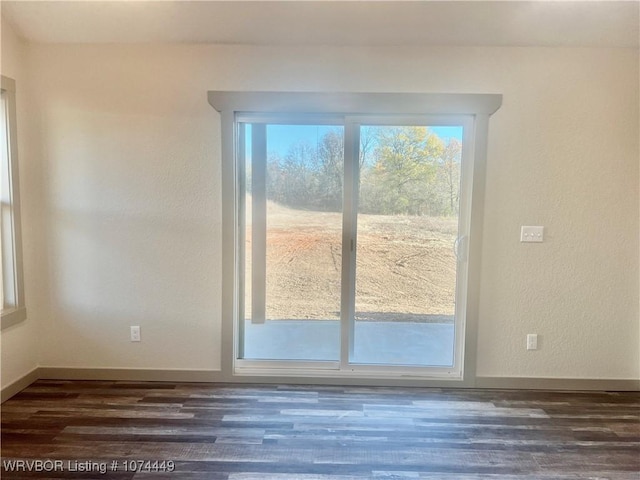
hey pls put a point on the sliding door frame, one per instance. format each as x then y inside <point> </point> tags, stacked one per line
<point>232,104</point>
<point>353,125</point>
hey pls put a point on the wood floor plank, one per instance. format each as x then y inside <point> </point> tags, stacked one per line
<point>265,432</point>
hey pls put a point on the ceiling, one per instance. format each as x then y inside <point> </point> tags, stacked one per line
<point>374,23</point>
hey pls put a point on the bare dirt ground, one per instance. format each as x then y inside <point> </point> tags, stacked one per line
<point>405,266</point>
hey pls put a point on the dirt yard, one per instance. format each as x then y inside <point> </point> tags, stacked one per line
<point>405,266</point>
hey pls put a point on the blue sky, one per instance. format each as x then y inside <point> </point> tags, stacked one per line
<point>281,137</point>
<point>446,133</point>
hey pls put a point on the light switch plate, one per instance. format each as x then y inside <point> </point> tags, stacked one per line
<point>532,234</point>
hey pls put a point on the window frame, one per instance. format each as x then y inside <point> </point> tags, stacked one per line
<point>13,310</point>
<point>234,104</point>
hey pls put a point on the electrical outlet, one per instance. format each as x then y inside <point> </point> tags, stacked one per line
<point>135,333</point>
<point>532,341</point>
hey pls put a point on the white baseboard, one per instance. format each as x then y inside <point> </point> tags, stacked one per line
<point>573,384</point>
<point>16,387</point>
<point>215,376</point>
<point>130,374</point>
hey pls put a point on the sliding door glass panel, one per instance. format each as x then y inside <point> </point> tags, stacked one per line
<point>291,184</point>
<point>408,207</point>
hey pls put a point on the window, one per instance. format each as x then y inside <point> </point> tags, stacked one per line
<point>337,209</point>
<point>12,291</point>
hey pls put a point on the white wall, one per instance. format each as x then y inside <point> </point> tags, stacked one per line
<point>132,205</point>
<point>18,344</point>
<point>131,202</point>
<point>571,165</point>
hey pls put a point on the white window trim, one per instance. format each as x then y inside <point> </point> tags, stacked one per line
<point>230,104</point>
<point>14,310</point>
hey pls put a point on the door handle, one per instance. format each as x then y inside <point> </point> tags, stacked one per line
<point>460,248</point>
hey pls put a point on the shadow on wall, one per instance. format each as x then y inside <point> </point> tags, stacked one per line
<point>110,271</point>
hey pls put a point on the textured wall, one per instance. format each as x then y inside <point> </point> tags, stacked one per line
<point>130,159</point>
<point>18,344</point>
<point>568,161</point>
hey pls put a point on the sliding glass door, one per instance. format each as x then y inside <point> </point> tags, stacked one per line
<point>407,226</point>
<point>351,242</point>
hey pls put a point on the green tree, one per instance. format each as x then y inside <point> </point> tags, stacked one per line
<point>448,177</point>
<point>401,180</point>
<point>331,172</point>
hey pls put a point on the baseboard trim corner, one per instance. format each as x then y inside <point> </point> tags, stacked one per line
<point>16,387</point>
<point>572,384</point>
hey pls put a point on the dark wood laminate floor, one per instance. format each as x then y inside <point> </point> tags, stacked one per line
<point>312,433</point>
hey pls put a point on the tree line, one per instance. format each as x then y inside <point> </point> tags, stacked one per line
<point>403,171</point>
